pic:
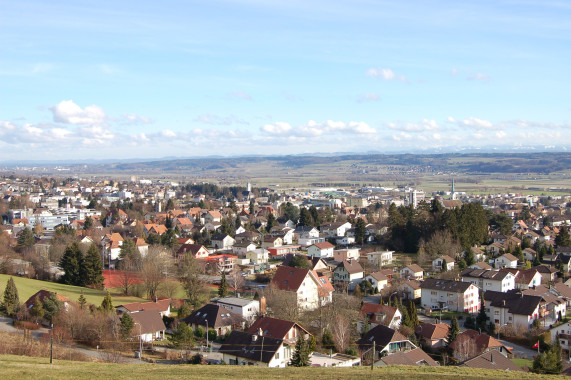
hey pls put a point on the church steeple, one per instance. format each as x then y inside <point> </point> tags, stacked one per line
<point>453,194</point>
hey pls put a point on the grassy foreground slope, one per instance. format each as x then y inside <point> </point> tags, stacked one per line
<point>21,367</point>
<point>28,287</point>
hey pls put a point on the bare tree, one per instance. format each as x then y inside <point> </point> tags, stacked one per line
<point>341,331</point>
<point>282,304</point>
<point>168,288</point>
<point>464,347</point>
<point>236,281</point>
<point>442,243</point>
<point>128,275</point>
<point>190,275</point>
<point>156,266</point>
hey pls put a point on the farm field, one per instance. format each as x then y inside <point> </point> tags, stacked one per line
<point>18,367</point>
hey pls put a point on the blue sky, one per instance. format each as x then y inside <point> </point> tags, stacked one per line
<point>134,79</point>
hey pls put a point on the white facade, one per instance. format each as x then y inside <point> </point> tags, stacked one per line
<point>315,251</point>
<point>467,301</point>
<point>380,258</point>
<point>247,308</point>
<point>498,285</point>
<point>503,262</point>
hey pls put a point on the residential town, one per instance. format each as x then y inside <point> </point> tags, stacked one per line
<point>276,277</point>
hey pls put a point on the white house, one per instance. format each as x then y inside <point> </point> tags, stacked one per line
<point>346,254</point>
<point>454,295</point>
<point>222,241</point>
<point>499,281</point>
<point>258,256</point>
<point>512,307</point>
<point>380,258</point>
<point>335,229</point>
<point>348,274</point>
<point>311,290</point>
<point>240,249</point>
<point>381,315</point>
<point>563,333</point>
<point>245,307</point>
<point>413,271</point>
<point>148,325</point>
<point>307,236</point>
<point>242,348</point>
<point>322,250</point>
<point>444,260</point>
<point>378,280</point>
<point>506,261</point>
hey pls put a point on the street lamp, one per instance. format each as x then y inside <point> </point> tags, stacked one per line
<point>500,328</point>
<point>207,335</point>
<point>140,341</point>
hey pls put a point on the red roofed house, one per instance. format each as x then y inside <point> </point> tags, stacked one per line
<point>197,250</point>
<point>278,328</point>
<point>310,289</point>
<point>162,306</point>
<point>382,315</point>
<point>43,294</point>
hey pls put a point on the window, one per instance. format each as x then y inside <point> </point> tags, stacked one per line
<point>497,312</point>
<point>277,355</point>
<point>433,293</point>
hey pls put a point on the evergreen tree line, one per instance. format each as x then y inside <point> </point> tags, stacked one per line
<point>80,269</point>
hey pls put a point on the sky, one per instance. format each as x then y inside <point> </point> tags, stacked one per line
<point>149,79</point>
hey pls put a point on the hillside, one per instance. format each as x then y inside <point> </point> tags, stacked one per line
<point>18,367</point>
<point>28,287</point>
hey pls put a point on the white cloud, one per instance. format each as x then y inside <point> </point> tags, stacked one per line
<point>136,119</point>
<point>370,97</point>
<point>277,128</point>
<point>315,129</point>
<point>386,74</point>
<point>241,95</point>
<point>422,126</point>
<point>70,113</point>
<point>209,118</point>
<point>480,77</point>
<point>454,71</point>
<point>501,134</point>
<point>474,122</point>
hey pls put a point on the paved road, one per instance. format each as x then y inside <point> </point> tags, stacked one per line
<point>520,351</point>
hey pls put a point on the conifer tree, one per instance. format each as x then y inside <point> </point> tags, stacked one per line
<point>71,263</point>
<point>223,288</point>
<point>126,326</point>
<point>107,303</point>
<point>300,357</point>
<point>11,300</point>
<point>412,315</point>
<point>37,309</point>
<point>81,301</point>
<point>454,330</point>
<point>92,269</point>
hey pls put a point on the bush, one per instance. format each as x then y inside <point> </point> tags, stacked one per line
<point>351,351</point>
<point>199,332</point>
<point>211,334</point>
<point>196,359</point>
<point>263,278</point>
<point>26,325</point>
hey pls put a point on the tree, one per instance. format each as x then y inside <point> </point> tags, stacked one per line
<point>81,301</point>
<point>11,301</point>
<point>412,315</point>
<point>453,331</point>
<point>52,307</point>
<point>299,261</point>
<point>37,310</point>
<point>300,357</point>
<point>107,303</point>
<point>341,332</point>
<point>183,336</point>
<point>305,218</point>
<point>189,275</point>
<point>71,263</point>
<point>327,340</point>
<point>26,239</point>
<point>360,231</point>
<point>482,317</point>
<point>126,326</point>
<point>92,269</point>
<point>549,361</point>
<point>272,222</point>
<point>88,223</point>
<point>156,266</point>
<point>291,212</point>
<point>563,239</point>
<point>223,288</point>
<point>357,292</point>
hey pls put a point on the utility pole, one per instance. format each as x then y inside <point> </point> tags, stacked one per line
<point>52,344</point>
<point>373,358</point>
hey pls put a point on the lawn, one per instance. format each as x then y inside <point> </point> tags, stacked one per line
<point>28,287</point>
<point>21,367</point>
<point>523,362</point>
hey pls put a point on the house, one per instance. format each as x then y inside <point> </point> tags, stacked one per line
<point>162,306</point>
<point>323,250</point>
<point>241,249</point>
<point>526,278</point>
<point>548,273</point>
<point>512,307</point>
<point>214,316</point>
<point>432,335</point>
<point>345,240</point>
<point>283,250</point>
<point>506,261</point>
<point>276,328</point>
<point>248,236</point>
<point>335,229</point>
<point>415,357</point>
<point>150,323</point>
<point>307,235</point>
<point>310,289</point>
<point>381,315</point>
<point>500,281</point>
<point>317,359</point>
<point>242,348</point>
<point>247,308</point>
<point>285,233</point>
<point>142,246</point>
<point>410,289</point>
<point>494,249</point>
<point>272,242</point>
<point>213,216</point>
<point>348,274</point>
<point>43,294</point>
<point>529,254</point>
<point>471,343</point>
<point>258,256</point>
<point>412,271</point>
<point>492,359</point>
<point>454,295</point>
<point>563,333</point>
<point>347,254</point>
<point>481,265</point>
<point>443,262</point>
<point>222,241</point>
<point>386,341</point>
<point>551,304</point>
<point>197,250</point>
<point>378,280</point>
<point>380,258</point>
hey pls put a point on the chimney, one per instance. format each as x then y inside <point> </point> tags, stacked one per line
<point>260,332</point>
<point>263,305</point>
<point>503,302</point>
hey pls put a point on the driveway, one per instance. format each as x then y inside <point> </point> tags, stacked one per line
<point>520,351</point>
